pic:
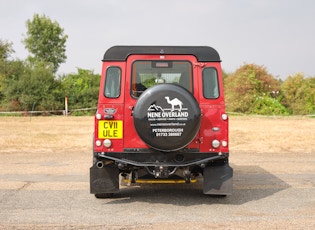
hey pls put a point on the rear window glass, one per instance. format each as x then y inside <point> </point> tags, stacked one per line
<point>148,73</point>
<point>210,83</point>
<point>112,82</point>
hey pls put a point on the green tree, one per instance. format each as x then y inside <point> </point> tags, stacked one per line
<point>39,88</point>
<point>46,41</point>
<point>299,94</point>
<point>266,105</point>
<point>25,85</point>
<point>251,89</point>
<point>81,89</point>
<point>11,73</point>
<point>5,50</point>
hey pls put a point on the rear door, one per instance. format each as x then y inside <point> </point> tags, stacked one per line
<point>144,71</point>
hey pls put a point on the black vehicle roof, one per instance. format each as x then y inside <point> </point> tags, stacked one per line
<point>202,53</point>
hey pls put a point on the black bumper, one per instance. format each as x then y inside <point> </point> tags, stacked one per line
<point>155,159</point>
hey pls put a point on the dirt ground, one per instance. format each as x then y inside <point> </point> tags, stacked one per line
<point>247,134</point>
<point>44,180</point>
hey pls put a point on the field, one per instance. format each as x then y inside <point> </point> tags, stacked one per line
<point>44,180</point>
<point>248,134</point>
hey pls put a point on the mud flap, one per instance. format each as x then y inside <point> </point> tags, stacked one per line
<point>104,180</point>
<point>218,180</point>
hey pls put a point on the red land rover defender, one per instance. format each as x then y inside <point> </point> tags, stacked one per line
<point>161,118</point>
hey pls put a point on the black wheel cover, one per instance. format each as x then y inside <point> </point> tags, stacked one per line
<point>167,117</point>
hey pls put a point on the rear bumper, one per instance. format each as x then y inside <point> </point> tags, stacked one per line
<point>161,167</point>
<point>156,159</point>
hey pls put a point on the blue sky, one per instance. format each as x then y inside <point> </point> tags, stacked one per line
<point>278,34</point>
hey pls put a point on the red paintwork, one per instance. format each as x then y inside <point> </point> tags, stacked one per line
<point>211,109</point>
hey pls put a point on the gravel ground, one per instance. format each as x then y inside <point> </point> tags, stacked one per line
<point>47,187</point>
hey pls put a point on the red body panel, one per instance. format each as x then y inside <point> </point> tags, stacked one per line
<point>212,125</point>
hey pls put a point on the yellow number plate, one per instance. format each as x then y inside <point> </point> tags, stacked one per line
<point>110,129</point>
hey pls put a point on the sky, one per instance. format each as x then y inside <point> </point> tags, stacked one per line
<point>276,34</point>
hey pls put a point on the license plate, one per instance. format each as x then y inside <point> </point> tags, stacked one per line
<point>110,129</point>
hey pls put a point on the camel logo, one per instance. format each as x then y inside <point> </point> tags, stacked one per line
<point>175,102</point>
<point>175,112</point>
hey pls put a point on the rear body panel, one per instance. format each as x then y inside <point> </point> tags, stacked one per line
<point>116,140</point>
<point>212,125</point>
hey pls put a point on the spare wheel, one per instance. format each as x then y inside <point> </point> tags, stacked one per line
<point>167,117</point>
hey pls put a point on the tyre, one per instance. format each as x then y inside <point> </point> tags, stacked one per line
<point>104,195</point>
<point>167,117</point>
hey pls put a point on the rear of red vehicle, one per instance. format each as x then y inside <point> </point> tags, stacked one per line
<point>161,118</point>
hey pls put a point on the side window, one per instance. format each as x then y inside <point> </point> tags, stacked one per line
<point>210,83</point>
<point>112,82</point>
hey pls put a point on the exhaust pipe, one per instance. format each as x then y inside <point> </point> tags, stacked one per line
<point>100,164</point>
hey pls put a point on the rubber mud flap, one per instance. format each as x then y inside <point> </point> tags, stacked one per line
<point>218,180</point>
<point>167,117</point>
<point>104,180</point>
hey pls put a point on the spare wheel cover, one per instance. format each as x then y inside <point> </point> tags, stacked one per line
<point>167,117</point>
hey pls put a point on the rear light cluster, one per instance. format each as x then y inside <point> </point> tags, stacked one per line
<point>106,116</point>
<point>216,143</point>
<point>98,116</point>
<point>107,143</point>
<point>224,116</point>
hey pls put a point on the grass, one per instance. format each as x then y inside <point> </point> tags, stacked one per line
<point>272,135</point>
<point>40,133</point>
<point>248,134</point>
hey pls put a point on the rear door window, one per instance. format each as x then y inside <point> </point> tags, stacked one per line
<point>148,73</point>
